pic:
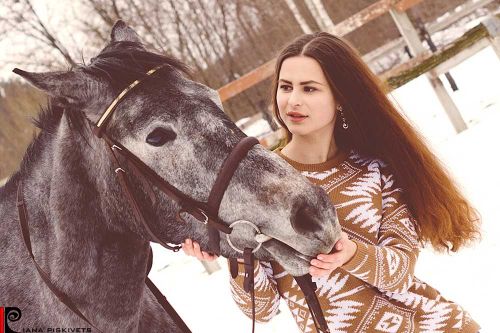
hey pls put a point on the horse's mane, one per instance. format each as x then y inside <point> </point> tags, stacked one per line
<point>119,63</point>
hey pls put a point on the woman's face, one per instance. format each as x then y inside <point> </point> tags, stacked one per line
<point>305,100</point>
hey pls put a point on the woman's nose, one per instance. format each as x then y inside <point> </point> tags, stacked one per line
<point>295,99</point>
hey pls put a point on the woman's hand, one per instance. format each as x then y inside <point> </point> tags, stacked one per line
<point>193,249</point>
<point>324,264</point>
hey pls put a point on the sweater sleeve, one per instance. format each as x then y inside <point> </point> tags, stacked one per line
<point>267,297</point>
<point>388,265</point>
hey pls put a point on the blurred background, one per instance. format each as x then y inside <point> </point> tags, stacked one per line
<point>438,59</point>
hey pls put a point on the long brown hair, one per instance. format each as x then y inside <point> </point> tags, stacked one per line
<point>444,217</point>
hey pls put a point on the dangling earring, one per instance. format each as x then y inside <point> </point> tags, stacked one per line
<point>344,122</point>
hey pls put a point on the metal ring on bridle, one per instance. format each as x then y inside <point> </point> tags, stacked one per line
<point>247,223</point>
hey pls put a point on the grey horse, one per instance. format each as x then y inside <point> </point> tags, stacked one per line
<point>83,232</point>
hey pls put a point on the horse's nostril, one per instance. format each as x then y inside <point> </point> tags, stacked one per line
<point>305,221</point>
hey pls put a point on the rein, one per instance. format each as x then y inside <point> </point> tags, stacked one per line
<point>125,163</point>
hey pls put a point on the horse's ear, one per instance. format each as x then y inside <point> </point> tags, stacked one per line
<point>69,85</point>
<point>121,32</point>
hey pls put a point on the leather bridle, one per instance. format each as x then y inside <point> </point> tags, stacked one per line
<point>125,163</point>
<point>204,212</point>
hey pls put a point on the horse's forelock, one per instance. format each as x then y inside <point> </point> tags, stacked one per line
<point>121,63</point>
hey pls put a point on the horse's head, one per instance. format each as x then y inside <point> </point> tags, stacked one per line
<point>178,128</point>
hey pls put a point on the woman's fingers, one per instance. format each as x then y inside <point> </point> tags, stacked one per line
<point>318,272</point>
<point>333,258</point>
<point>187,247</point>
<point>325,264</point>
<point>193,249</point>
<point>197,251</point>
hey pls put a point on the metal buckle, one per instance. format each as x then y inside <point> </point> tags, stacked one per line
<point>205,217</point>
<point>259,237</point>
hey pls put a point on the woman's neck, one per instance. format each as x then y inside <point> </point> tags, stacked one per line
<point>309,150</point>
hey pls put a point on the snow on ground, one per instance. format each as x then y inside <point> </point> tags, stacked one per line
<point>468,277</point>
<point>258,129</point>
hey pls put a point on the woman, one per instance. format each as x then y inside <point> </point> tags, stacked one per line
<point>346,136</point>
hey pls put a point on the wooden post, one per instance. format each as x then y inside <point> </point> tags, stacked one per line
<point>320,15</point>
<point>407,31</point>
<point>492,24</point>
<point>495,44</point>
<point>412,39</point>
<point>300,19</point>
<point>449,106</point>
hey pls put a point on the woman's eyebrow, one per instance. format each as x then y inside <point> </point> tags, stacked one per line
<point>302,83</point>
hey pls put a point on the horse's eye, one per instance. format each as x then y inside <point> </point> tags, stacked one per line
<point>160,136</point>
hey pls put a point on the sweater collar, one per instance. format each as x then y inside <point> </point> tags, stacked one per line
<point>323,166</point>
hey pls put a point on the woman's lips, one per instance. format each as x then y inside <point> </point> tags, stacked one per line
<point>296,117</point>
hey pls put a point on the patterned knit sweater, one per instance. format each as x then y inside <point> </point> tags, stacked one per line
<point>376,290</point>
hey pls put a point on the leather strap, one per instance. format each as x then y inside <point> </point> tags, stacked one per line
<point>162,299</point>
<point>308,287</point>
<point>189,205</point>
<point>248,282</point>
<point>249,269</point>
<point>23,223</point>
<point>210,209</point>
<point>125,185</point>
<point>102,122</point>
<point>233,267</point>
<point>144,181</point>
<point>225,174</point>
<point>305,283</point>
<point>167,307</point>
<point>222,182</point>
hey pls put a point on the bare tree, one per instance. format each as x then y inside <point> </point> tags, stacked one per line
<point>19,18</point>
<point>220,39</point>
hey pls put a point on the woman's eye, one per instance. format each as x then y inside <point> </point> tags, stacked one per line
<point>285,87</point>
<point>159,136</point>
<point>309,89</point>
